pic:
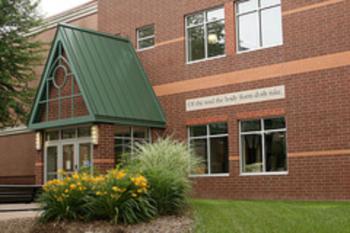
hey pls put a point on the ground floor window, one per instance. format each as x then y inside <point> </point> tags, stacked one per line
<point>69,150</point>
<point>263,145</point>
<point>127,137</point>
<point>210,142</point>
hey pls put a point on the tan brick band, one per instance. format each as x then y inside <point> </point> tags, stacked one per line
<point>255,74</point>
<point>39,164</point>
<point>312,7</point>
<point>104,161</point>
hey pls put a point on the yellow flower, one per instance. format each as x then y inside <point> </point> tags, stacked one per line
<point>116,189</point>
<point>120,175</point>
<point>75,176</point>
<point>66,191</point>
<point>140,181</point>
<point>72,186</point>
<point>98,193</point>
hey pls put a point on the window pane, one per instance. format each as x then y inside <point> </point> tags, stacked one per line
<point>52,135</point>
<point>196,43</point>
<point>275,149</point>
<point>200,148</point>
<point>248,32</point>
<point>216,38</point>
<point>247,5</point>
<point>252,153</point>
<point>140,132</point>
<point>146,31</point>
<point>271,21</point>
<point>123,131</point>
<point>266,3</point>
<point>248,126</point>
<point>85,155</point>
<point>275,123</point>
<point>68,158</point>
<point>219,155</point>
<point>51,159</point>
<point>195,19</point>
<point>216,14</point>
<point>84,132</point>
<point>198,130</point>
<point>68,133</point>
<point>218,128</point>
<point>122,146</point>
<point>146,43</point>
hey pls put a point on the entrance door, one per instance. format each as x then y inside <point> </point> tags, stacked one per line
<point>69,157</point>
<point>51,162</point>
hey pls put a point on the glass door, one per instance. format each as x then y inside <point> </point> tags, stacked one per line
<point>69,161</point>
<point>51,162</point>
<point>85,154</point>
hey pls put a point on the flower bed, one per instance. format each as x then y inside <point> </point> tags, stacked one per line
<point>154,183</point>
<point>117,196</point>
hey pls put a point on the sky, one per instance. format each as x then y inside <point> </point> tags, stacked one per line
<point>52,7</point>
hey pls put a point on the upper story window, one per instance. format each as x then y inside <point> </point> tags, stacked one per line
<point>259,24</point>
<point>210,142</point>
<point>263,146</point>
<point>205,34</point>
<point>145,37</point>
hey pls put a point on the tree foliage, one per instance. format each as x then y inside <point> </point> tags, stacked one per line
<point>19,54</point>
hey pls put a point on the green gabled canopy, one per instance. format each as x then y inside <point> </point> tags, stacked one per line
<point>111,79</point>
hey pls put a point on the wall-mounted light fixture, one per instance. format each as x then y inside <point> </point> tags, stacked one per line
<point>38,141</point>
<point>94,134</point>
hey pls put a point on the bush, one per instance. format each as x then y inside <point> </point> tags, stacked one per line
<point>167,164</point>
<point>118,196</point>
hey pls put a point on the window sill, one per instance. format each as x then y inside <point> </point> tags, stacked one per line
<point>145,49</point>
<point>210,175</point>
<point>264,174</point>
<point>258,49</point>
<point>206,59</point>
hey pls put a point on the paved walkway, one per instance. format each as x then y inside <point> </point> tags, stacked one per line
<point>15,211</point>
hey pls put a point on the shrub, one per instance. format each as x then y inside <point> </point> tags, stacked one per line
<point>167,164</point>
<point>118,196</point>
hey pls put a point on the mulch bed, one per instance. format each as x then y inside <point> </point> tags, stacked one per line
<point>169,224</point>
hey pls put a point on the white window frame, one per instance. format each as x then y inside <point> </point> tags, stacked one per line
<point>132,138</point>
<point>262,134</point>
<point>138,39</point>
<point>204,24</point>
<point>258,10</point>
<point>208,137</point>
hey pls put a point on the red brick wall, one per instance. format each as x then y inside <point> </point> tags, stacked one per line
<point>104,155</point>
<point>316,105</point>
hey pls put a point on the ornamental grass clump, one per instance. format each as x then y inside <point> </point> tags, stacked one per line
<point>119,196</point>
<point>167,165</point>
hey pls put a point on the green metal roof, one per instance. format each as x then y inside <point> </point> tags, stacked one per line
<point>111,78</point>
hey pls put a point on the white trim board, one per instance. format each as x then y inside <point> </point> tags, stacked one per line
<point>14,130</point>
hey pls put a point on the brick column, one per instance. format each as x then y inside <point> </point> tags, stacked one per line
<point>103,153</point>
<point>230,26</point>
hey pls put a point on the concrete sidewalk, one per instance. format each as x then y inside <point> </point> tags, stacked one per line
<point>15,211</point>
<point>4,216</point>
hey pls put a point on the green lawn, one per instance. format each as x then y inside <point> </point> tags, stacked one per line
<point>271,217</point>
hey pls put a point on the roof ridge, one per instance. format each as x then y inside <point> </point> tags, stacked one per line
<point>105,34</point>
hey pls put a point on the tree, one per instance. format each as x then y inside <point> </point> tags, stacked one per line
<point>19,54</point>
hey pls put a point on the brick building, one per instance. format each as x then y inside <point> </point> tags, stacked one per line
<point>258,88</point>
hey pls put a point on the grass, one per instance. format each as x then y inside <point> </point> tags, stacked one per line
<point>215,216</point>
